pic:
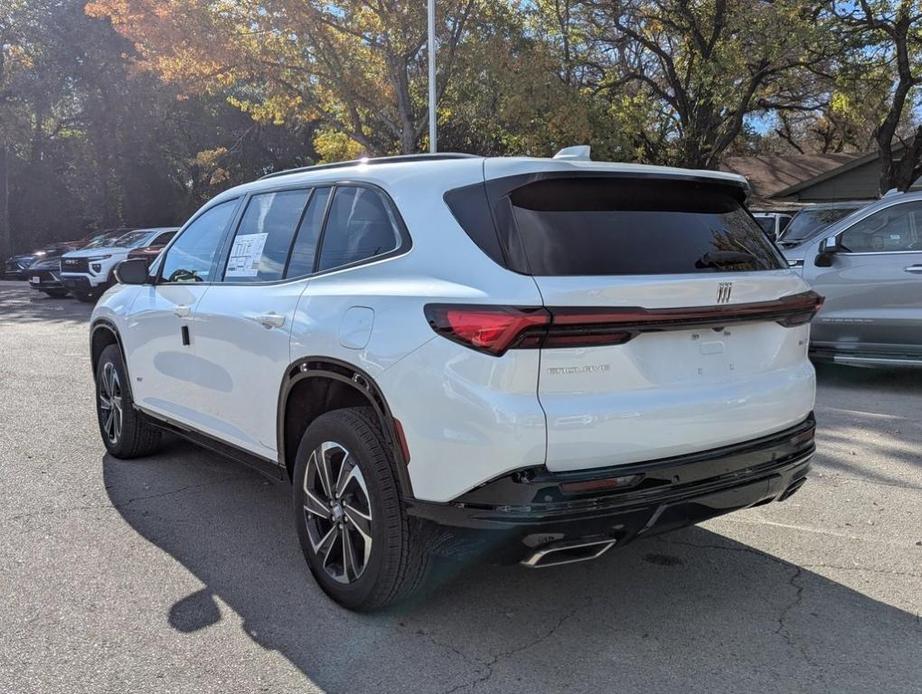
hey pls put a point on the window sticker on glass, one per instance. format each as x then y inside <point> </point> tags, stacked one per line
<point>245,255</point>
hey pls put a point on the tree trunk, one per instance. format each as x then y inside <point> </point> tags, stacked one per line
<point>892,172</point>
<point>904,171</point>
<point>401,82</point>
<point>6,244</point>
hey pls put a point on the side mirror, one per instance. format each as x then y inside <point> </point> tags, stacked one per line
<point>828,248</point>
<point>132,271</point>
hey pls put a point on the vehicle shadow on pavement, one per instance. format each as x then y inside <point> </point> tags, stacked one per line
<point>854,430</point>
<point>663,613</point>
<point>21,304</point>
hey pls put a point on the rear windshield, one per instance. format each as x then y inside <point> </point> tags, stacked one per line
<point>132,239</point>
<point>809,223</point>
<point>589,226</point>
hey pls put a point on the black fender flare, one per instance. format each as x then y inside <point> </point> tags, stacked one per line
<point>109,326</point>
<point>356,378</point>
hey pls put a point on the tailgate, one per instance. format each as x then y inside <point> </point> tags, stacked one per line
<point>673,389</point>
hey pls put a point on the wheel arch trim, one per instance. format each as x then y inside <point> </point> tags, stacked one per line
<point>357,379</point>
<point>105,324</point>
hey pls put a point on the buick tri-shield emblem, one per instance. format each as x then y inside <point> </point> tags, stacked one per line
<point>724,289</point>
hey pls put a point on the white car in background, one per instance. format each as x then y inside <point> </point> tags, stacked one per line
<point>773,223</point>
<point>534,358</point>
<point>87,273</point>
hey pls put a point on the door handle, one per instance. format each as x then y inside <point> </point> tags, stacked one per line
<point>917,269</point>
<point>270,320</point>
<point>182,311</point>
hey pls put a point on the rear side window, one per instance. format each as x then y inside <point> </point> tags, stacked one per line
<point>263,240</point>
<point>360,225</point>
<point>618,226</point>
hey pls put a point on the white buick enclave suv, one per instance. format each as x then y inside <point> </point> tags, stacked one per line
<point>530,359</point>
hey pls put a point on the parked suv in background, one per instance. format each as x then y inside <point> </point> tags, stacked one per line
<point>87,273</point>
<point>869,267</point>
<point>18,266</point>
<point>45,272</point>
<point>534,358</point>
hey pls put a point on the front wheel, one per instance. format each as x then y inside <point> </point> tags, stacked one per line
<point>353,531</point>
<point>125,431</point>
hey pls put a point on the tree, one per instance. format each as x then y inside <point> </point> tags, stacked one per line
<point>357,66</point>
<point>511,94</point>
<point>87,141</point>
<point>684,76</point>
<point>13,59</point>
<point>890,39</point>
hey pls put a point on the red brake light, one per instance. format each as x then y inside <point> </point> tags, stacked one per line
<point>491,329</point>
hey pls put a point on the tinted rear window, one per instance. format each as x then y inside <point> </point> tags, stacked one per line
<point>588,226</point>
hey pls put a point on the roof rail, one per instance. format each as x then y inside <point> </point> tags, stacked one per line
<point>374,160</point>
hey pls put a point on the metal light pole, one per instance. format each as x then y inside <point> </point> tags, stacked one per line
<point>433,141</point>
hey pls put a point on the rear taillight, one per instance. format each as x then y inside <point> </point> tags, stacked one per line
<point>495,329</point>
<point>490,329</point>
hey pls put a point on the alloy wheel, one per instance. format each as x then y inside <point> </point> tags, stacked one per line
<point>110,403</point>
<point>337,511</point>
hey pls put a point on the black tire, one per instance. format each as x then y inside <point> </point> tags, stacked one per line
<point>56,293</point>
<point>399,561</point>
<point>85,296</point>
<point>134,436</point>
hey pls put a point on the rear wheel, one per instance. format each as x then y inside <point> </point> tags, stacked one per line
<point>125,432</point>
<point>354,533</point>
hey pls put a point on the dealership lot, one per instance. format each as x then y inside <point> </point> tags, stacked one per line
<point>182,572</point>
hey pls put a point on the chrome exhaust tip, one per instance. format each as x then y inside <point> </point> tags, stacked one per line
<point>567,552</point>
<point>792,489</point>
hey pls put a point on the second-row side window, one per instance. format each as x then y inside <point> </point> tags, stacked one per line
<point>279,233</point>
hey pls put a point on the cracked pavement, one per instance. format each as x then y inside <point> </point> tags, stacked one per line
<point>182,573</point>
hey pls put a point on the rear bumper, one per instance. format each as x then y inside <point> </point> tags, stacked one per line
<point>534,507</point>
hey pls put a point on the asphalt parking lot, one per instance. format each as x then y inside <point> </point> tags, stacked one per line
<point>182,572</point>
